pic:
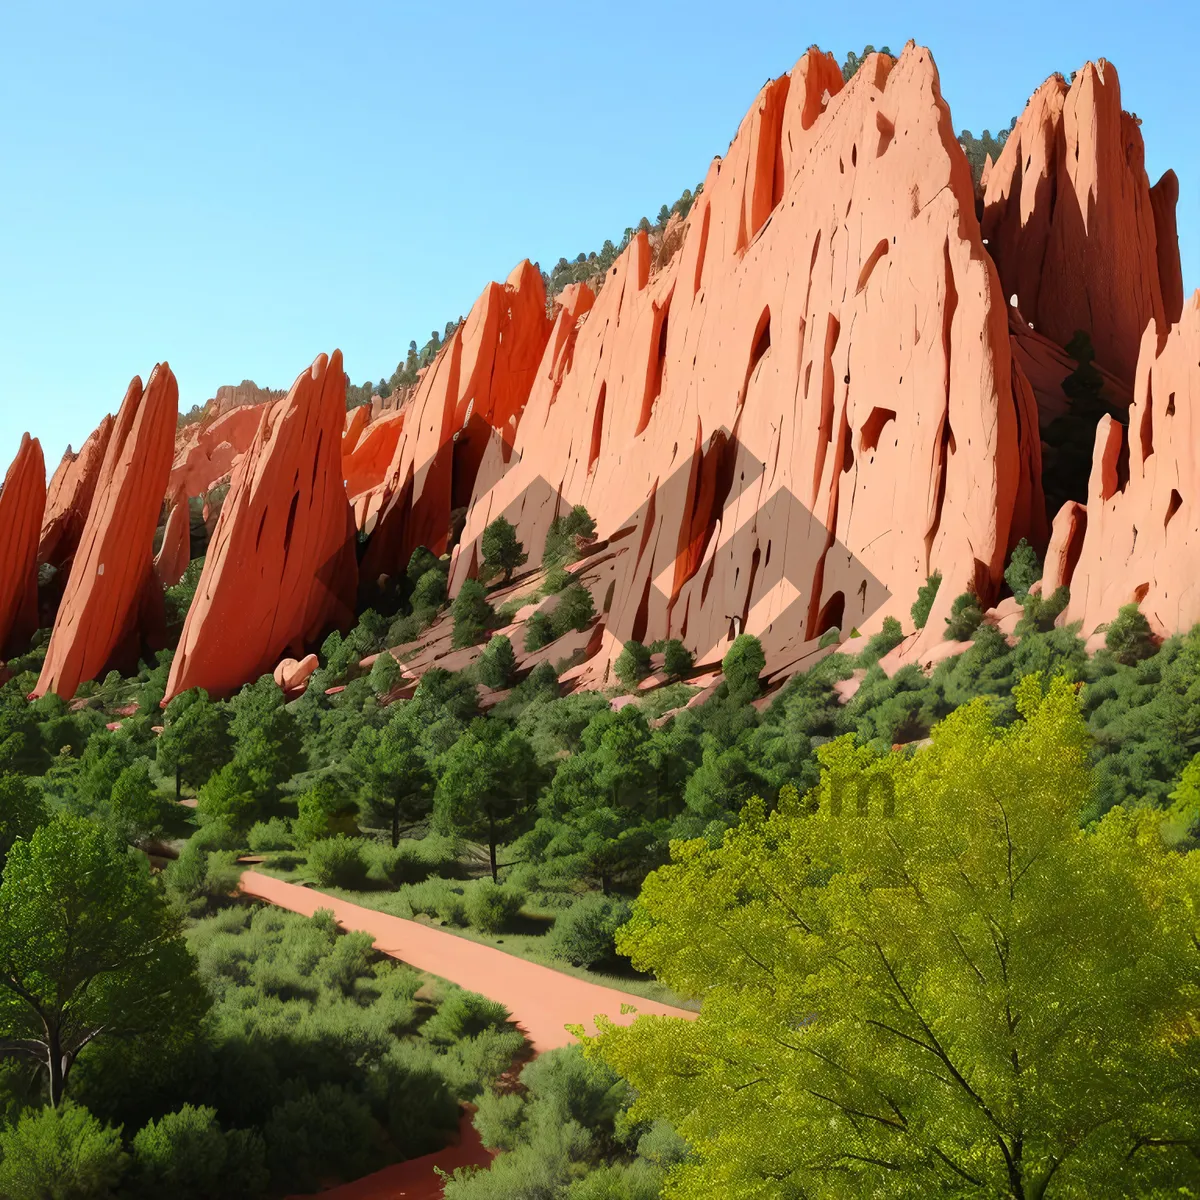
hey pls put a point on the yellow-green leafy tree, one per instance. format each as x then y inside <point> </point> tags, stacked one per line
<point>926,979</point>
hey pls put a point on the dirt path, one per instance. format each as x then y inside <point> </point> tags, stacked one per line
<point>542,1001</point>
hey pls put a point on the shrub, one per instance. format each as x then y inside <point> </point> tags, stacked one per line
<point>498,664</point>
<point>60,1154</point>
<point>564,534</point>
<point>314,1132</point>
<point>315,809</point>
<point>200,877</point>
<point>1041,611</point>
<point>633,664</point>
<point>1023,570</point>
<point>887,639</point>
<point>586,933</point>
<point>1129,637</point>
<point>556,579</point>
<point>397,865</point>
<point>270,835</point>
<point>338,862</point>
<point>385,673</point>
<point>926,594</point>
<point>187,1156</point>
<point>492,907</point>
<point>502,552</point>
<point>965,617</point>
<point>742,665</point>
<point>429,592</point>
<point>678,660</point>
<point>416,1103</point>
<point>472,614</point>
<point>574,610</point>
<point>464,1015</point>
<point>539,632</point>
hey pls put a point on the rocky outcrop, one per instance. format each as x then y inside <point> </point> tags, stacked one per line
<point>280,569</point>
<point>112,601</point>
<point>247,393</point>
<point>69,498</point>
<point>473,392</point>
<point>176,550</point>
<point>292,677</point>
<point>22,502</point>
<point>1077,233</point>
<point>1143,512</point>
<point>366,465</point>
<point>809,408</point>
<point>212,449</point>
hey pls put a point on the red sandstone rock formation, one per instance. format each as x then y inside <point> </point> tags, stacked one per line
<point>365,466</point>
<point>176,550</point>
<point>69,498</point>
<point>1070,218</point>
<point>357,420</point>
<point>212,449</point>
<point>280,569</point>
<point>292,676</point>
<point>1142,539</point>
<point>832,330</point>
<point>246,393</point>
<point>112,598</point>
<point>475,389</point>
<point>22,502</point>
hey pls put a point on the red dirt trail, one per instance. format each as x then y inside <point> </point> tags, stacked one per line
<point>542,1002</point>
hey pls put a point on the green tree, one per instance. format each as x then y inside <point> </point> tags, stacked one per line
<point>498,664</point>
<point>965,617</point>
<point>396,781</point>
<point>574,610</point>
<point>928,980</point>
<point>89,948</point>
<point>488,783</point>
<point>21,811</point>
<point>633,664</point>
<point>565,535</point>
<point>677,659</point>
<point>1129,637</point>
<point>472,614</point>
<point>60,1154</point>
<point>385,673</point>
<point>502,552</point>
<point>926,594</point>
<point>539,632</point>
<point>1023,571</point>
<point>742,665</point>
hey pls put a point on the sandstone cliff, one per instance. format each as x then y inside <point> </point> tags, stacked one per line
<point>280,569</point>
<point>22,502</point>
<point>69,498</point>
<point>111,600</point>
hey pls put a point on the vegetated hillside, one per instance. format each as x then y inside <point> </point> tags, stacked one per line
<point>627,644</point>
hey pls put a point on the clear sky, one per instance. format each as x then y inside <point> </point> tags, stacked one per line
<point>236,187</point>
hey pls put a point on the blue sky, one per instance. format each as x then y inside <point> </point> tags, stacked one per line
<point>238,187</point>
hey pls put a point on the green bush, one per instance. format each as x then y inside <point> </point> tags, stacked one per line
<point>965,617</point>
<point>316,1132</point>
<point>464,1015</point>
<point>926,594</point>
<point>338,862</point>
<point>1023,570</point>
<point>472,614</point>
<point>1129,637</point>
<point>60,1154</point>
<point>585,934</point>
<point>270,835</point>
<point>396,866</point>
<point>498,663</point>
<point>633,664</point>
<point>678,660</point>
<point>199,878</point>
<point>1042,611</point>
<point>493,908</point>
<point>539,632</point>
<point>890,635</point>
<point>574,610</point>
<point>563,536</point>
<point>556,579</point>
<point>187,1156</point>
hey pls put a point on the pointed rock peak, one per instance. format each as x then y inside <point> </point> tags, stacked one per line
<point>22,501</point>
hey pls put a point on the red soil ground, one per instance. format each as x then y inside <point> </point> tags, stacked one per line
<point>542,1001</point>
